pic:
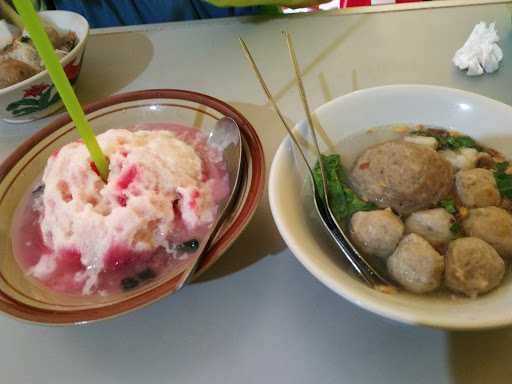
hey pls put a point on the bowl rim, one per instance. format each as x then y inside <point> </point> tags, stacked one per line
<point>64,61</point>
<point>254,194</point>
<point>354,295</point>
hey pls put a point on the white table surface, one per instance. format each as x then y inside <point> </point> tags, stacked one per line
<point>258,316</point>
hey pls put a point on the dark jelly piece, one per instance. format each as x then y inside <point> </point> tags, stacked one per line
<point>38,190</point>
<point>188,246</point>
<point>129,283</point>
<point>146,274</point>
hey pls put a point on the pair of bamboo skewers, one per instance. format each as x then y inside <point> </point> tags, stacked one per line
<point>368,274</point>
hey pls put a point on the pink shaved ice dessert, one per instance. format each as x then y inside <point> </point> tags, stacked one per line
<point>79,235</point>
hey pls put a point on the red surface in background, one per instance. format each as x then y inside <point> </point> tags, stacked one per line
<point>366,3</point>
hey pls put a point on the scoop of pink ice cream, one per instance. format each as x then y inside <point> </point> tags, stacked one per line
<point>155,180</point>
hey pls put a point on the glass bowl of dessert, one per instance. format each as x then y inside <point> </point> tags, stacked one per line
<point>75,248</point>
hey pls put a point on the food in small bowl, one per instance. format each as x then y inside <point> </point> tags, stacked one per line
<point>429,206</point>
<point>19,59</point>
<point>160,214</point>
<point>26,90</point>
<point>78,234</point>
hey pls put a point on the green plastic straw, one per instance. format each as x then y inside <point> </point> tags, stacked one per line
<point>61,82</point>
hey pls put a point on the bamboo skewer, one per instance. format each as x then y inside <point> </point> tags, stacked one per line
<point>271,99</point>
<point>305,103</point>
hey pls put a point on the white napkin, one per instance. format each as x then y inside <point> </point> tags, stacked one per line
<point>480,52</point>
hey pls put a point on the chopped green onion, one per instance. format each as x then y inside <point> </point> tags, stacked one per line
<point>449,205</point>
<point>450,142</point>
<point>503,179</point>
<point>456,229</point>
<point>343,200</point>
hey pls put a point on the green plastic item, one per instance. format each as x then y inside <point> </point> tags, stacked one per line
<point>271,10</point>
<point>45,49</point>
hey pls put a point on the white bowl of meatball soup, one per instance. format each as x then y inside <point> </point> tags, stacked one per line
<point>424,193</point>
<point>26,90</point>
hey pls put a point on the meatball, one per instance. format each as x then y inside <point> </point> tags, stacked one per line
<point>493,225</point>
<point>477,188</point>
<point>376,232</point>
<point>416,265</point>
<point>433,225</point>
<point>473,266</point>
<point>402,175</point>
<point>13,71</point>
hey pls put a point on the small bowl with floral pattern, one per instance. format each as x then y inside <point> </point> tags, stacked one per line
<point>36,97</point>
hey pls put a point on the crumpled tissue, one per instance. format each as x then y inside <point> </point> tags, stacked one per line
<point>480,52</point>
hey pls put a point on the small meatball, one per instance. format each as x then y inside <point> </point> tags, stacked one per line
<point>477,188</point>
<point>433,225</point>
<point>376,232</point>
<point>427,141</point>
<point>416,265</point>
<point>493,225</point>
<point>473,266</point>
<point>464,158</point>
<point>403,176</point>
<point>14,71</point>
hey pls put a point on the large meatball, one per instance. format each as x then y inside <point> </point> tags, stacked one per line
<point>432,224</point>
<point>493,225</point>
<point>473,266</point>
<point>477,188</point>
<point>402,175</point>
<point>13,71</point>
<point>416,265</point>
<point>376,232</point>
